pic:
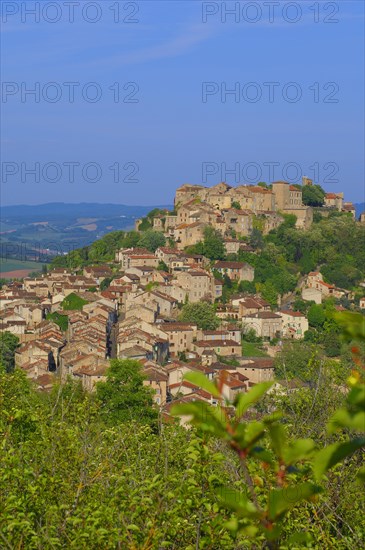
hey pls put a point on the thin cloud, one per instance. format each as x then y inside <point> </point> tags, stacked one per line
<point>185,42</point>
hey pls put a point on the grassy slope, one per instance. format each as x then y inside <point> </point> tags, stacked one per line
<point>250,349</point>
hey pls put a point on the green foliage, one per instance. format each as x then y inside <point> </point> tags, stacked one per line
<point>8,344</point>
<point>317,216</point>
<point>272,272</point>
<point>352,325</point>
<point>316,315</point>
<point>246,476</point>
<point>255,516</point>
<point>213,245</point>
<point>162,266</point>
<point>335,246</point>
<point>73,302</point>
<point>152,240</point>
<point>268,292</point>
<point>197,248</point>
<point>123,396</point>
<point>310,336</point>
<point>236,205</point>
<point>313,195</point>
<point>145,225</point>
<point>289,222</point>
<point>105,283</point>
<point>302,305</point>
<point>104,249</point>
<point>201,313</point>
<point>291,467</point>
<point>100,251</point>
<point>342,273</point>
<point>296,361</point>
<point>19,410</point>
<point>147,222</point>
<point>69,481</point>
<point>247,286</point>
<point>250,335</point>
<point>256,239</point>
<point>332,344</point>
<point>60,320</point>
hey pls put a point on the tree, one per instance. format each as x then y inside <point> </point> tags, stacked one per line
<point>301,305</point>
<point>342,274</point>
<point>313,195</point>
<point>201,313</point>
<point>145,224</point>
<point>284,281</point>
<point>197,248</point>
<point>123,396</point>
<point>8,344</point>
<point>213,244</point>
<point>332,344</point>
<point>294,359</point>
<point>105,283</point>
<point>162,266</point>
<point>307,262</point>
<point>249,335</point>
<point>131,239</point>
<point>247,286</point>
<point>316,316</point>
<point>236,205</point>
<point>152,240</point>
<point>269,292</point>
<point>310,336</point>
<point>256,239</point>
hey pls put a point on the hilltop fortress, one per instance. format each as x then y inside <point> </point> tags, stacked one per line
<point>234,211</point>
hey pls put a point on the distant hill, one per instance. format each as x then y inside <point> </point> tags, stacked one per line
<point>56,210</point>
<point>33,232</point>
<point>360,207</point>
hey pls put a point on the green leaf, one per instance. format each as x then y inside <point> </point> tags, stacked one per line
<point>237,501</point>
<point>278,438</point>
<point>254,432</point>
<point>200,380</point>
<point>298,450</point>
<point>247,434</point>
<point>263,455</point>
<point>232,525</point>
<point>331,455</point>
<point>357,396</point>
<point>245,400</point>
<point>353,324</point>
<point>345,419</point>
<point>273,417</point>
<point>208,418</point>
<point>301,537</point>
<point>282,500</point>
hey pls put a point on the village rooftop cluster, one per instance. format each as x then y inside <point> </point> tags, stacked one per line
<point>137,315</point>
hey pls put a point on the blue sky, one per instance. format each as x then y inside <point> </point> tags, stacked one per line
<point>165,132</point>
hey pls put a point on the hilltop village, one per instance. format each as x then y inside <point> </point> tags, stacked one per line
<point>175,307</point>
